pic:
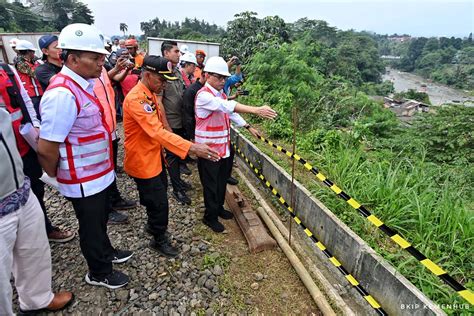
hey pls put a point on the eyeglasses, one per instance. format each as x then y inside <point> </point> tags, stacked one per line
<point>218,77</point>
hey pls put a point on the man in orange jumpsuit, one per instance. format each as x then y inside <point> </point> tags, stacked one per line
<point>145,138</point>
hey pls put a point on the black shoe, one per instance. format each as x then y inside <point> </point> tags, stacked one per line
<point>116,218</point>
<point>225,214</point>
<point>215,225</point>
<point>164,247</point>
<point>185,185</point>
<point>148,230</point>
<point>181,197</point>
<point>123,204</point>
<point>121,256</point>
<point>185,170</point>
<point>114,280</point>
<point>232,181</point>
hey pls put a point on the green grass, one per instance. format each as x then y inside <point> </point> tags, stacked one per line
<point>426,203</point>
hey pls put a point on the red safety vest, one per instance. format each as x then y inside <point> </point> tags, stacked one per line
<point>86,153</point>
<point>187,81</point>
<point>31,84</point>
<point>10,97</point>
<point>213,129</point>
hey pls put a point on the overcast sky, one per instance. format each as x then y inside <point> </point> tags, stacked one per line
<point>416,17</point>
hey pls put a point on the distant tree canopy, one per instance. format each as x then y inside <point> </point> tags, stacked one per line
<point>54,15</point>
<point>247,34</point>
<point>348,54</point>
<point>189,29</point>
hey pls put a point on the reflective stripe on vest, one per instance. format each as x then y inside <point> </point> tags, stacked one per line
<point>31,84</point>
<point>213,129</point>
<point>16,115</point>
<point>86,154</point>
<point>13,108</point>
<point>82,162</point>
<point>86,149</point>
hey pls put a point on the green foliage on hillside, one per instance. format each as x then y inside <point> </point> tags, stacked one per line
<point>55,15</point>
<point>412,94</point>
<point>418,180</point>
<point>189,29</point>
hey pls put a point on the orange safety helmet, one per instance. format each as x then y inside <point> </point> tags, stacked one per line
<point>200,52</point>
<point>131,42</point>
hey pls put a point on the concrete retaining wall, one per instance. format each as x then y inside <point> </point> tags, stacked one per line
<point>393,291</point>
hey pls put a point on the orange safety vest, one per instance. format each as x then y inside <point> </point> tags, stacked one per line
<point>12,99</point>
<point>105,93</point>
<point>213,129</point>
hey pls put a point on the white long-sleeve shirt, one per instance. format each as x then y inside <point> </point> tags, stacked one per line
<point>206,103</point>
<point>26,99</point>
<point>58,114</point>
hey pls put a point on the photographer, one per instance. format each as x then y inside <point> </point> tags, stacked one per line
<point>129,76</point>
<point>234,80</point>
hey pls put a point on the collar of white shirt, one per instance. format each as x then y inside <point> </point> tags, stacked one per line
<point>215,91</point>
<point>87,85</point>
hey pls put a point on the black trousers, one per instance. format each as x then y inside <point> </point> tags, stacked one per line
<point>214,177</point>
<point>36,102</point>
<point>173,165</point>
<point>154,197</point>
<point>92,212</point>
<point>114,194</point>
<point>32,169</point>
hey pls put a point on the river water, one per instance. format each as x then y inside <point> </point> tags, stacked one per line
<point>438,93</point>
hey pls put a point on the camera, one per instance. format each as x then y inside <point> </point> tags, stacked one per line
<point>244,92</point>
<point>237,61</point>
<point>136,71</point>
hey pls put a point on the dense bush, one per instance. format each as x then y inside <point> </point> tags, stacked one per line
<point>418,180</point>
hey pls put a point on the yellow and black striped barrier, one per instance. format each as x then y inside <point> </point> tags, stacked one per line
<point>326,252</point>
<point>393,234</point>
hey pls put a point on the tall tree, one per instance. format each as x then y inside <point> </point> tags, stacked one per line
<point>123,28</point>
<point>82,14</point>
<point>68,11</point>
<point>247,34</point>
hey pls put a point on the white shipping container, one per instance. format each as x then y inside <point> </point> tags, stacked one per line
<point>211,49</point>
<point>8,53</point>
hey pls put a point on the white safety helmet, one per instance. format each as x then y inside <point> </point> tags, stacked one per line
<point>184,49</point>
<point>82,37</point>
<point>24,45</point>
<point>107,41</point>
<point>188,58</point>
<point>217,65</point>
<point>13,42</point>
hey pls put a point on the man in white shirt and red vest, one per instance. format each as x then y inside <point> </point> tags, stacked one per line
<point>26,65</point>
<point>22,111</point>
<point>24,246</point>
<point>76,146</point>
<point>213,115</point>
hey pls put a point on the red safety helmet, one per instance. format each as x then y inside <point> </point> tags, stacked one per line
<point>131,42</point>
<point>200,52</point>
